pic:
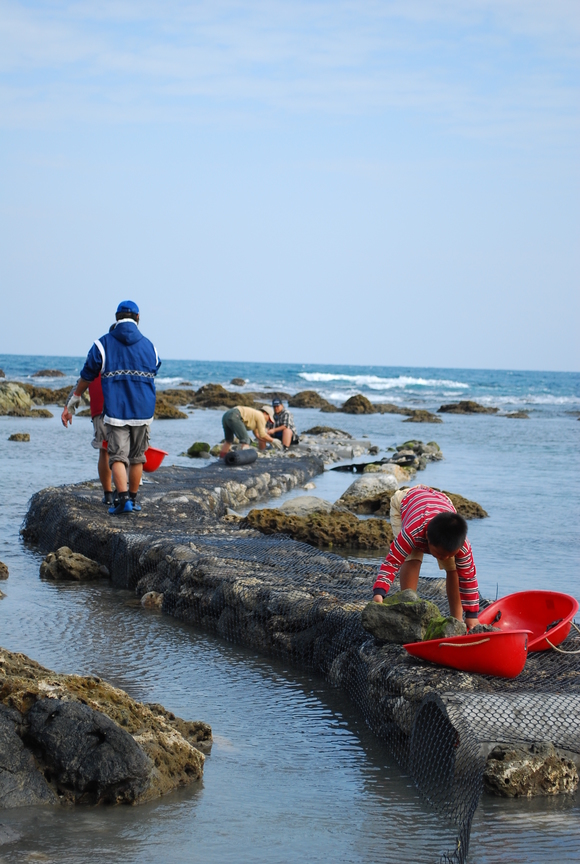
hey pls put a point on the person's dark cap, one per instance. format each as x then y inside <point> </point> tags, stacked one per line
<point>276,402</point>
<point>128,306</point>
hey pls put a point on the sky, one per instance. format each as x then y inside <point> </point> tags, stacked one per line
<point>380,182</point>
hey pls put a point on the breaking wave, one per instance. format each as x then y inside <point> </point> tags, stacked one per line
<point>374,382</point>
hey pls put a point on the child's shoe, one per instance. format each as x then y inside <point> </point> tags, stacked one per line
<point>124,506</point>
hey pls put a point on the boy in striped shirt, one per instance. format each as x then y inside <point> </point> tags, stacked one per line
<point>424,520</point>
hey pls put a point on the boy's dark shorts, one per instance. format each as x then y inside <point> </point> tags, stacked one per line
<point>127,444</point>
<point>234,426</point>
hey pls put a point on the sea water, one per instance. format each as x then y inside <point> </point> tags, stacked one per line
<point>294,774</point>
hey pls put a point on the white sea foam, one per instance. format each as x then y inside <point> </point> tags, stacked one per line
<point>375,382</point>
<point>169,380</point>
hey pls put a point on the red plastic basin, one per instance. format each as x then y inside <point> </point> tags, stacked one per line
<point>548,614</point>
<point>501,654</point>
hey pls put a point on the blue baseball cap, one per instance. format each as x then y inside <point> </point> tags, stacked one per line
<point>276,402</point>
<point>128,306</point>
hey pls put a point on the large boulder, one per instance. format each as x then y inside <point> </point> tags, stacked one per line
<point>304,505</point>
<point>367,494</point>
<point>401,617</point>
<point>165,410</point>
<point>358,404</point>
<point>78,740</point>
<point>310,399</point>
<point>466,508</point>
<point>443,628</point>
<point>216,396</point>
<point>65,565</point>
<point>238,382</point>
<point>49,373</point>
<point>90,758</point>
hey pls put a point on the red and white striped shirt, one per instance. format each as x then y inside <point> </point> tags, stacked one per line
<point>418,507</point>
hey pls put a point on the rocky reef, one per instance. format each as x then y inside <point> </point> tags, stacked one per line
<point>466,406</point>
<point>328,530</point>
<point>15,401</point>
<point>71,739</point>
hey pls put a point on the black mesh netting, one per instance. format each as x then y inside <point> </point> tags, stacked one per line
<point>294,601</point>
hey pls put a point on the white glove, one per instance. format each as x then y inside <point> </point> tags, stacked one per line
<point>275,442</point>
<point>73,403</point>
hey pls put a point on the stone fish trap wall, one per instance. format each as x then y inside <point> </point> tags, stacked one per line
<point>286,599</point>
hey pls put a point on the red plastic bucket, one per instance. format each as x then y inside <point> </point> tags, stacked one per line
<point>500,654</point>
<point>153,457</point>
<point>547,614</point>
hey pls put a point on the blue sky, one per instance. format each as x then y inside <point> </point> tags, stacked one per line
<point>336,182</point>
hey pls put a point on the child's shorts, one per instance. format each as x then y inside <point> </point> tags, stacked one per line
<point>127,444</point>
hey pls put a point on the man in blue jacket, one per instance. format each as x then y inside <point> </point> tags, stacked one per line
<point>128,363</point>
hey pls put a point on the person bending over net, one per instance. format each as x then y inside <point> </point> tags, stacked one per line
<point>424,520</point>
<point>239,420</point>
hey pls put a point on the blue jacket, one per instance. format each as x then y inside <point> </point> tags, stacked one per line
<point>128,363</point>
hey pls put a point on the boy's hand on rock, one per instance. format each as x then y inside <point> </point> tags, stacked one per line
<point>377,598</point>
<point>471,622</point>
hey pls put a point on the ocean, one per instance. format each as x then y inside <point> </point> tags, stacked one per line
<point>294,775</point>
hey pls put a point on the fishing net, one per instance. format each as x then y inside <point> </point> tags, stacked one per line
<point>286,599</point>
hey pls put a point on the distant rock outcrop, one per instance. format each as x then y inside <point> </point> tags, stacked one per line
<point>49,373</point>
<point>467,406</point>
<point>311,399</point>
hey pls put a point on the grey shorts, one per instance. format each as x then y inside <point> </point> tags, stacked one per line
<point>127,444</point>
<point>234,426</point>
<point>100,432</point>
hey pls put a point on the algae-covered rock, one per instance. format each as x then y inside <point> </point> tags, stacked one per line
<point>238,382</point>
<point>49,373</point>
<point>443,628</point>
<point>19,436</point>
<point>401,617</point>
<point>14,400</point>
<point>466,508</point>
<point>165,410</point>
<point>310,399</point>
<point>358,404</point>
<point>3,570</point>
<point>304,505</point>
<point>199,450</point>
<point>71,566</point>
<point>324,529</point>
<point>518,415</point>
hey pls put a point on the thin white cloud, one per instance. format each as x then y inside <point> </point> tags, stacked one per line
<point>479,66</point>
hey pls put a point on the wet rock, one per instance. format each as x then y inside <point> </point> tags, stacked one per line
<point>19,436</point>
<point>183,396</point>
<point>358,404</point>
<point>466,406</point>
<point>367,494</point>
<point>49,373</point>
<point>303,505</point>
<point>3,570</point>
<point>238,382</point>
<point>164,410</point>
<point>48,396</point>
<point>310,399</point>
<point>333,529</point>
<point>422,416</point>
<point>528,772</point>
<point>79,740</point>
<point>397,471</point>
<point>485,628</point>
<point>21,783</point>
<point>152,600</point>
<point>443,628</point>
<point>67,565</point>
<point>401,617</point>
<point>518,415</point>
<point>330,446</point>
<point>89,758</point>
<point>321,430</point>
<point>2,375</point>
<point>199,450</point>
